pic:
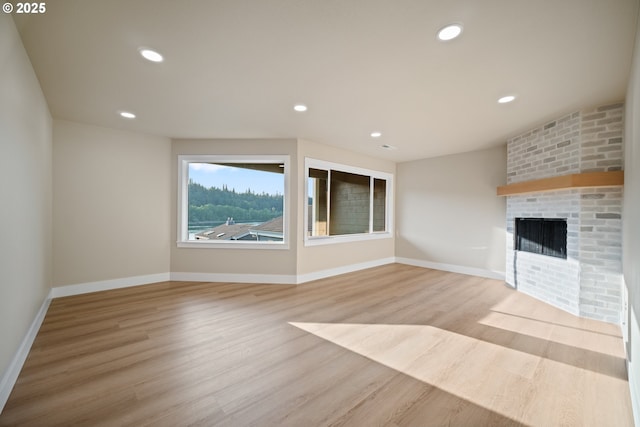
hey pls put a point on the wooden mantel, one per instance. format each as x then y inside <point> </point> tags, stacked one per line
<point>577,180</point>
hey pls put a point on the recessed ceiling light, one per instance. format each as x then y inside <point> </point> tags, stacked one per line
<point>376,134</point>
<point>127,115</point>
<point>388,147</point>
<point>506,99</point>
<point>449,32</point>
<point>300,108</point>
<point>151,55</point>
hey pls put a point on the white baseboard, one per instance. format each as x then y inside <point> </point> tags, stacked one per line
<point>105,285</point>
<point>632,371</point>
<point>322,274</point>
<point>472,271</point>
<point>10,376</point>
<point>285,279</point>
<point>635,403</point>
<point>282,279</point>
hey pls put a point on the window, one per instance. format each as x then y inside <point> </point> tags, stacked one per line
<point>346,203</point>
<point>232,201</point>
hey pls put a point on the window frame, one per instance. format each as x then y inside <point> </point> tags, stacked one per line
<point>183,201</point>
<point>311,163</point>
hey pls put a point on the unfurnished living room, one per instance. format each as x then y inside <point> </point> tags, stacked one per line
<point>319,213</point>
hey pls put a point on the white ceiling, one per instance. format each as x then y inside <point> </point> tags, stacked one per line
<point>235,68</point>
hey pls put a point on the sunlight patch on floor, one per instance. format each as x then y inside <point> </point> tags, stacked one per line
<point>604,343</point>
<point>478,371</point>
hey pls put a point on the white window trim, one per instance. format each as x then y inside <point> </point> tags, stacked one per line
<point>183,202</point>
<point>310,163</point>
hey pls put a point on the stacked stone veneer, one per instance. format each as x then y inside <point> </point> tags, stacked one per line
<point>588,282</point>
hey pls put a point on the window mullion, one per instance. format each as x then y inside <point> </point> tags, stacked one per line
<point>371,189</point>
<point>314,196</point>
<point>386,205</point>
<point>329,202</point>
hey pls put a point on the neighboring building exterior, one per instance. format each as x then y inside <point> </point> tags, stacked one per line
<point>271,230</point>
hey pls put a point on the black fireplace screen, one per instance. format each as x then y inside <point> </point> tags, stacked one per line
<point>546,236</point>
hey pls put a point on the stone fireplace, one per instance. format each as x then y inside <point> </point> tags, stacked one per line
<point>588,282</point>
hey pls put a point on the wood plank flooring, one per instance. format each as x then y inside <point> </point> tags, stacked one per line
<point>394,346</point>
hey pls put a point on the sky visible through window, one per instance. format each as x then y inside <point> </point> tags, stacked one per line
<point>212,175</point>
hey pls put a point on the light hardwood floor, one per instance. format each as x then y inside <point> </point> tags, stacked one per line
<point>394,345</point>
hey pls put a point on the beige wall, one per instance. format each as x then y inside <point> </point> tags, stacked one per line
<point>25,193</point>
<point>317,258</point>
<point>631,226</point>
<point>447,210</point>
<point>233,261</point>
<point>111,209</point>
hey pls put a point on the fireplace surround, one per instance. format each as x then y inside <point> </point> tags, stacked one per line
<point>586,280</point>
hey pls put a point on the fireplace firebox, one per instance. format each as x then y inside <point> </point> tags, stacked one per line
<point>544,236</point>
